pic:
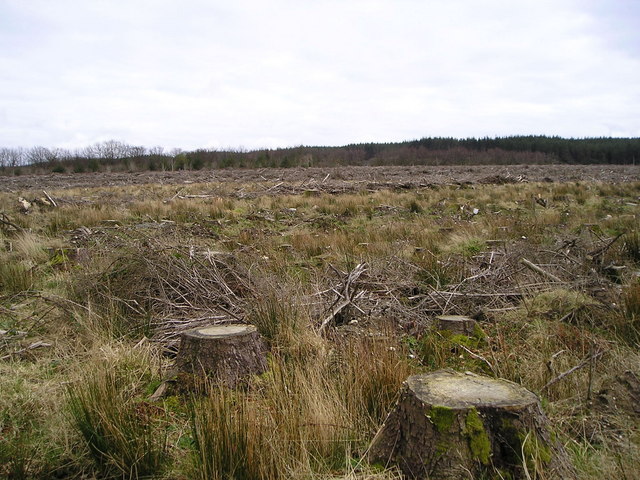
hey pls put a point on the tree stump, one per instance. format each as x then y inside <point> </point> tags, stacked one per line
<point>451,425</point>
<point>228,353</point>
<point>457,324</point>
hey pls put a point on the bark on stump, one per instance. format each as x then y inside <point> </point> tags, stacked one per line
<point>451,425</point>
<point>228,353</point>
<point>457,324</point>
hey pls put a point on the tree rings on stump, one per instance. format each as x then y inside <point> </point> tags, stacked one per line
<point>227,353</point>
<point>452,425</point>
<point>457,324</point>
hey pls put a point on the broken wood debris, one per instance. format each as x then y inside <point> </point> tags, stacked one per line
<point>51,200</point>
<point>532,266</point>
<point>6,222</point>
<point>25,204</point>
<point>33,346</point>
<point>346,295</point>
<point>582,364</point>
<point>596,254</point>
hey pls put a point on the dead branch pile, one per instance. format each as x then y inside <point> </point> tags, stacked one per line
<point>495,280</point>
<point>177,288</point>
<point>172,288</point>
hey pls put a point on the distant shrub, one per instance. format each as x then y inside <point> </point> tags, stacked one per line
<point>197,163</point>
<point>93,165</point>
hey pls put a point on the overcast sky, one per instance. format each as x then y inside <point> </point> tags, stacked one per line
<point>252,74</point>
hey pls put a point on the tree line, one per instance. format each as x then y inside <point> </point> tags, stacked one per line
<point>113,155</point>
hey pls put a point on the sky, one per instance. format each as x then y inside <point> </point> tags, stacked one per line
<point>249,74</point>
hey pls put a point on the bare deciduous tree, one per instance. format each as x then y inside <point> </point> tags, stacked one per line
<point>12,157</point>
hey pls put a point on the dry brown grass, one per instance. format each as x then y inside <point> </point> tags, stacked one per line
<point>152,263</point>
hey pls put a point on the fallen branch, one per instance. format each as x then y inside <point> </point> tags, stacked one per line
<point>33,346</point>
<point>347,294</point>
<point>181,197</point>
<point>274,187</point>
<point>536,268</point>
<point>595,254</point>
<point>472,294</point>
<point>582,364</point>
<point>51,200</point>
<point>4,220</point>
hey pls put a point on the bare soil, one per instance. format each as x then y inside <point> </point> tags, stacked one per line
<point>337,178</point>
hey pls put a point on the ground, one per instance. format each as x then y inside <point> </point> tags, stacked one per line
<point>342,271</point>
<point>338,178</point>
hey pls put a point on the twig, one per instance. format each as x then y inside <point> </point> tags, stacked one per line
<point>600,251</point>
<point>582,364</point>
<point>536,268</point>
<point>472,294</point>
<point>59,301</point>
<point>475,355</point>
<point>274,187</point>
<point>346,293</point>
<point>33,346</point>
<point>4,220</point>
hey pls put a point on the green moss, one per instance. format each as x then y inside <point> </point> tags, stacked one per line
<point>60,258</point>
<point>151,387</point>
<point>442,448</point>
<point>377,467</point>
<point>503,475</point>
<point>478,439</point>
<point>478,333</point>
<point>442,418</point>
<point>469,342</point>
<point>536,452</point>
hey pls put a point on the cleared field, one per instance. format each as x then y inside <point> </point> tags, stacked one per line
<point>340,178</point>
<point>95,291</point>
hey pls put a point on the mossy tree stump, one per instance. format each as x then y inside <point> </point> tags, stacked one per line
<point>227,353</point>
<point>457,325</point>
<point>451,425</point>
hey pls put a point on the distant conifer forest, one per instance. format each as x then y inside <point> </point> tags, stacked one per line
<point>113,155</point>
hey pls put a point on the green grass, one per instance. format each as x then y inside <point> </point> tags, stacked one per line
<point>125,435</point>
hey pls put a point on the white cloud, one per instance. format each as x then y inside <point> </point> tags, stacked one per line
<point>279,73</point>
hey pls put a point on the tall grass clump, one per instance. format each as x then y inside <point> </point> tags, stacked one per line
<point>227,438</point>
<point>630,329</point>
<point>30,248</point>
<point>632,245</point>
<point>285,326</point>
<point>374,369</point>
<point>15,276</point>
<point>19,446</point>
<point>293,426</point>
<point>125,436</point>
<point>300,419</point>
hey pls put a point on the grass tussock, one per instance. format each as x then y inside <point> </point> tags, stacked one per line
<point>303,419</point>
<point>15,277</point>
<point>125,436</point>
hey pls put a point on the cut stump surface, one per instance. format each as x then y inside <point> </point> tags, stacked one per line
<point>457,324</point>
<point>227,353</point>
<point>450,425</point>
